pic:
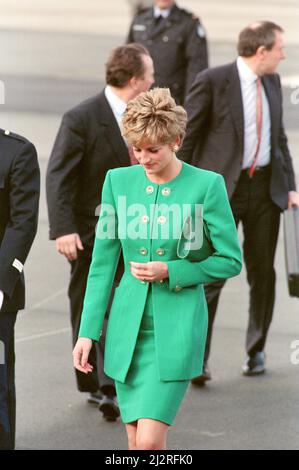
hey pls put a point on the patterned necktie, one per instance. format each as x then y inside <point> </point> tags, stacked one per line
<point>133,160</point>
<point>259,122</point>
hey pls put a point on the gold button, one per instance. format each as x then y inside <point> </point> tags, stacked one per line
<point>161,219</point>
<point>143,251</point>
<point>7,132</point>
<point>143,282</point>
<point>160,251</point>
<point>145,219</point>
<point>166,191</point>
<point>161,281</point>
<point>149,189</point>
<point>178,288</point>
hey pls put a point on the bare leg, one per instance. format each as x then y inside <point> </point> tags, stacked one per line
<point>131,429</point>
<point>151,434</point>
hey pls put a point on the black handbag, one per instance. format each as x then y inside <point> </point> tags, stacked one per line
<point>291,248</point>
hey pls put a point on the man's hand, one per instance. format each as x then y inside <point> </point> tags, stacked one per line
<point>68,245</point>
<point>149,272</point>
<point>81,353</point>
<point>293,199</point>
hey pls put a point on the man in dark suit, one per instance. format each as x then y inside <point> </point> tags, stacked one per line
<point>88,144</point>
<point>235,128</point>
<point>19,200</point>
<point>177,43</point>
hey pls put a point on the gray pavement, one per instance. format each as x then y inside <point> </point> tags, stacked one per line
<point>47,66</point>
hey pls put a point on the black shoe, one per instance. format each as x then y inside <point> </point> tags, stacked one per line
<point>109,407</point>
<point>95,398</point>
<point>254,365</point>
<point>204,377</point>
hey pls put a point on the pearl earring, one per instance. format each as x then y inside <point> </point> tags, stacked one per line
<point>175,148</point>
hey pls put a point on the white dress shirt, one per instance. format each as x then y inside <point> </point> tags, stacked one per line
<point>248,88</point>
<point>1,298</point>
<point>117,105</point>
<point>164,13</point>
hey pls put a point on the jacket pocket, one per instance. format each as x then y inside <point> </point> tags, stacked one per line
<point>184,243</point>
<point>192,234</point>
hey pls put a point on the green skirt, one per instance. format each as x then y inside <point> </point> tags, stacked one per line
<point>143,395</point>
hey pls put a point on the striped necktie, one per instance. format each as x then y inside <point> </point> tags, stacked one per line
<point>259,122</point>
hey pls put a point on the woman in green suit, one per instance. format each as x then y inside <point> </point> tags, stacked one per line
<point>175,228</point>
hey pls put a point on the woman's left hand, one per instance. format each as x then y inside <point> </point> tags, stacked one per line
<point>149,272</point>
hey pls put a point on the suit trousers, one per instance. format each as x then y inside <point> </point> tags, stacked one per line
<point>252,205</point>
<point>76,292</point>
<point>7,381</point>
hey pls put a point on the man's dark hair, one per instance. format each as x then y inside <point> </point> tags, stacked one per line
<point>124,63</point>
<point>256,35</point>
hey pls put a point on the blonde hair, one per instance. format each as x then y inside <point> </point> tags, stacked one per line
<point>153,117</point>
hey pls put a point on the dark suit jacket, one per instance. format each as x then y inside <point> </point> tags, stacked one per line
<point>215,130</point>
<point>19,200</point>
<point>88,144</point>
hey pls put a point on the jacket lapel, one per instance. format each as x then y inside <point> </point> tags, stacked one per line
<point>236,102</point>
<point>114,138</point>
<point>274,106</point>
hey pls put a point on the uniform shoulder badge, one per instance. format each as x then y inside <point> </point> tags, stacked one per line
<point>200,31</point>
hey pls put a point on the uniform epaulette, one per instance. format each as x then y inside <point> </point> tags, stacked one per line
<point>12,135</point>
<point>143,10</point>
<point>186,12</point>
<point>190,14</point>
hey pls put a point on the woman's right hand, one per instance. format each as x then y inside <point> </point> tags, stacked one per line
<point>81,353</point>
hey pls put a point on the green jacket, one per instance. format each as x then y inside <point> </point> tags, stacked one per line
<point>144,220</point>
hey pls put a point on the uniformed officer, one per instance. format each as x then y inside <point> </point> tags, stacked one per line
<point>177,43</point>
<point>19,200</point>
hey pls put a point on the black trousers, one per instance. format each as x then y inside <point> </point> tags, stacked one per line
<point>97,379</point>
<point>7,381</point>
<point>251,204</point>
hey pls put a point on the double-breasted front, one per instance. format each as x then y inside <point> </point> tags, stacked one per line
<point>187,223</point>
